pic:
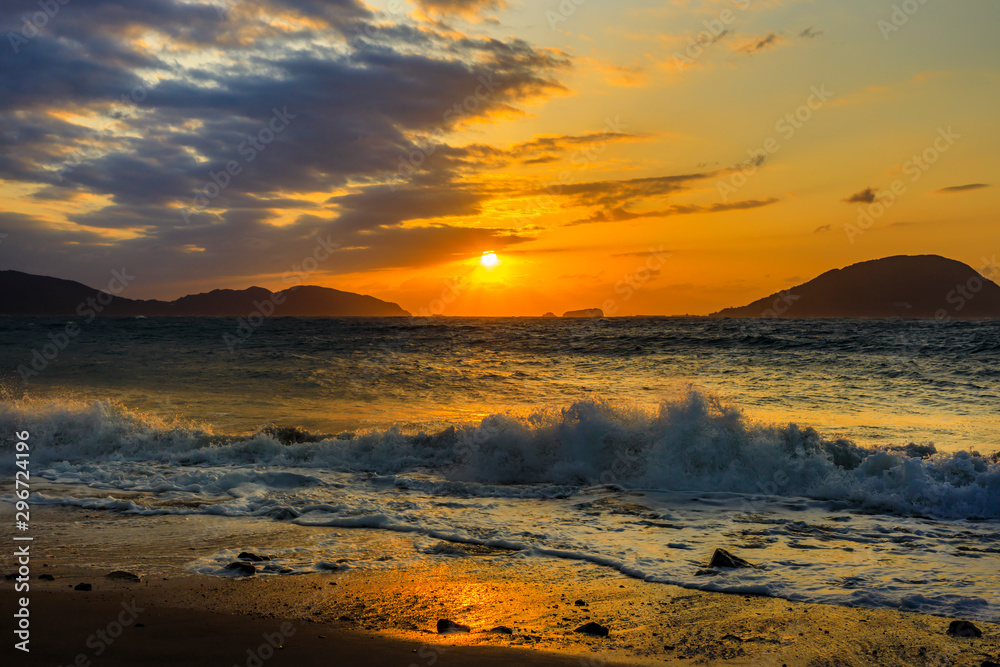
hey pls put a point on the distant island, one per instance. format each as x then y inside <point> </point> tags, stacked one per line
<point>27,294</point>
<point>587,312</point>
<point>918,286</point>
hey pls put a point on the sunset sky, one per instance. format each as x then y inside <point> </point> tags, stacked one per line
<point>752,144</point>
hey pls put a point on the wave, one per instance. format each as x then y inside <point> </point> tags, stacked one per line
<point>695,443</point>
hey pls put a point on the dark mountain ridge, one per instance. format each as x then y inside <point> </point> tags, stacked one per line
<point>28,294</point>
<point>918,286</point>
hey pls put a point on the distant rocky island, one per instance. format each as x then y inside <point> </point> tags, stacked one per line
<point>27,294</point>
<point>918,286</point>
<point>587,312</point>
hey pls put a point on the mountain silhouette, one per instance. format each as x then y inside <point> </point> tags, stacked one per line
<point>900,286</point>
<point>27,294</point>
<point>586,312</point>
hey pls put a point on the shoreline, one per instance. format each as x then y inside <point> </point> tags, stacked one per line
<point>388,616</point>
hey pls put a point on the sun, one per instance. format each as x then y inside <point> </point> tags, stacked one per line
<point>489,260</point>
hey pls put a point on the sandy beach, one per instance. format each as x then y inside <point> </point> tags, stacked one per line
<point>173,617</point>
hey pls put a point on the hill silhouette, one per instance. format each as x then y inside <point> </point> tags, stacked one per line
<point>900,286</point>
<point>28,294</point>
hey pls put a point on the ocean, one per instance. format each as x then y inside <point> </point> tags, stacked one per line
<point>855,461</point>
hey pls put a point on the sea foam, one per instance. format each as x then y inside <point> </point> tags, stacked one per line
<point>695,442</point>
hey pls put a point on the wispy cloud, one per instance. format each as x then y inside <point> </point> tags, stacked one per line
<point>769,41</point>
<point>962,188</point>
<point>621,215</point>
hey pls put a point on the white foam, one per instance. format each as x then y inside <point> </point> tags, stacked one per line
<point>695,443</point>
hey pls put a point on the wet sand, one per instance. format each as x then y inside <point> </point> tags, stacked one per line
<point>388,616</point>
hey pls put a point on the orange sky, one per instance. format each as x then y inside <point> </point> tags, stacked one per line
<point>644,157</point>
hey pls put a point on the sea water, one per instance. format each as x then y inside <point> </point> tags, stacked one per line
<point>854,461</point>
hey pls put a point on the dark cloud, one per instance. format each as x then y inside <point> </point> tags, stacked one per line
<point>620,214</point>
<point>760,43</point>
<point>354,112</point>
<point>565,142</point>
<point>810,32</point>
<point>543,149</point>
<point>233,251</point>
<point>541,159</point>
<point>336,99</point>
<point>962,188</point>
<point>822,229</point>
<point>866,196</point>
<point>382,206</point>
<point>612,194</point>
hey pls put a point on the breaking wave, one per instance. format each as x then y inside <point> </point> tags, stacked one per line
<point>695,443</point>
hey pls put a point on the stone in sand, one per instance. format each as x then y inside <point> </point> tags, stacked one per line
<point>242,569</point>
<point>722,558</point>
<point>246,555</point>
<point>592,628</point>
<point>964,629</point>
<point>502,630</point>
<point>83,587</point>
<point>580,603</point>
<point>46,577</point>
<point>122,575</point>
<point>446,626</point>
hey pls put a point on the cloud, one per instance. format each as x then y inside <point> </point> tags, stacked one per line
<point>620,214</point>
<point>769,41</point>
<point>612,194</point>
<point>547,144</point>
<point>234,252</point>
<point>291,118</point>
<point>822,229</point>
<point>810,33</point>
<point>380,206</point>
<point>962,188</point>
<point>463,8</point>
<point>866,196</point>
